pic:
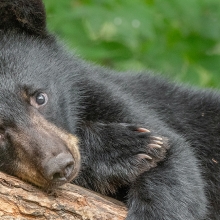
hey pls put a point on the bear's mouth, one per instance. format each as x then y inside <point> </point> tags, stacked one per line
<point>31,174</point>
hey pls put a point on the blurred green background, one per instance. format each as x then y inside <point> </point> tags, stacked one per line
<point>180,38</point>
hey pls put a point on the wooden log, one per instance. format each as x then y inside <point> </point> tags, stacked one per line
<point>20,201</point>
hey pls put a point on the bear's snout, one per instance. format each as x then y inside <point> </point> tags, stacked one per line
<point>45,155</point>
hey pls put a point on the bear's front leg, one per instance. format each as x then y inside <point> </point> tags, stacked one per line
<point>115,154</point>
<point>173,191</point>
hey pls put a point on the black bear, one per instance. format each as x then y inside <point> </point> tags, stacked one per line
<point>138,138</point>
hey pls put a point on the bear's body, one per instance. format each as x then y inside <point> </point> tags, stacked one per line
<point>62,118</point>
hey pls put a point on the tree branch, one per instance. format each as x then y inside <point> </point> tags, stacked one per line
<point>19,200</point>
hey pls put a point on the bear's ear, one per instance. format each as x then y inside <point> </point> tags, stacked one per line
<point>23,15</point>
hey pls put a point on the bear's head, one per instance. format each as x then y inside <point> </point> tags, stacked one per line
<point>36,141</point>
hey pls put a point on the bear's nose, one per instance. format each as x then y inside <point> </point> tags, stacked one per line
<point>59,168</point>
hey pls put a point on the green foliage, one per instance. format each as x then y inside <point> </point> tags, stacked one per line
<point>175,37</point>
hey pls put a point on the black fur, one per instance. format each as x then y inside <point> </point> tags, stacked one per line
<point>28,16</point>
<point>100,106</point>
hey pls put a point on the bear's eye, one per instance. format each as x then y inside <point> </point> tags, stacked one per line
<point>39,99</point>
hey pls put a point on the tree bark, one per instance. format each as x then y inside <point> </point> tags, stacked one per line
<point>19,200</point>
